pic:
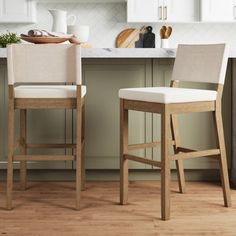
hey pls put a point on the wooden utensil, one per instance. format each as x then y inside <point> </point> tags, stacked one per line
<point>165,32</point>
<point>168,32</point>
<point>162,33</point>
<point>164,27</point>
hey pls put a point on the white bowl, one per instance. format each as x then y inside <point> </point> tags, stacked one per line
<point>81,32</point>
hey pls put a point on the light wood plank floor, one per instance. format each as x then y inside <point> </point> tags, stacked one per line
<point>47,209</point>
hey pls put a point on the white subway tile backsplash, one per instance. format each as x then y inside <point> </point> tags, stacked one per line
<point>106,20</point>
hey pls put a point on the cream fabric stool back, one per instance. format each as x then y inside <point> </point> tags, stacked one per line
<point>201,63</point>
<point>29,63</point>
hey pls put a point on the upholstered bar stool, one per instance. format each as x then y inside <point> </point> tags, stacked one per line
<point>59,65</point>
<point>193,63</point>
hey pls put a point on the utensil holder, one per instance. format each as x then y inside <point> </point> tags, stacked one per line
<point>164,43</point>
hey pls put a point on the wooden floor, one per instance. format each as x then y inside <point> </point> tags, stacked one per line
<point>47,209</point>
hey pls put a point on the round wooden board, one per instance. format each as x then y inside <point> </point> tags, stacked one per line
<point>123,36</point>
<point>41,40</point>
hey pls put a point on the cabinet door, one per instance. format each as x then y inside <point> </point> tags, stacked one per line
<point>181,10</point>
<point>17,11</point>
<point>103,80</point>
<point>144,10</point>
<point>218,10</point>
<point>48,126</point>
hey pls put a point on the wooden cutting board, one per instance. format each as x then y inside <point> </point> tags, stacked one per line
<point>128,37</point>
<point>122,37</point>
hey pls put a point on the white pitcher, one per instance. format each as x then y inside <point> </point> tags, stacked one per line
<point>60,20</point>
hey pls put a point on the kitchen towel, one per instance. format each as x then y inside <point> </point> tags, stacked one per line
<point>37,33</point>
<point>44,33</point>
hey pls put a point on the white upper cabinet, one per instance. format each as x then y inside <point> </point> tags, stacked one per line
<point>181,10</point>
<point>163,10</point>
<point>17,11</point>
<point>143,10</point>
<point>218,10</point>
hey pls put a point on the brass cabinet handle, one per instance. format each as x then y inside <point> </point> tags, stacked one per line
<point>165,12</point>
<point>160,13</point>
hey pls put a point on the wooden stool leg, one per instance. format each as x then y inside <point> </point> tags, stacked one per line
<point>165,169</point>
<point>83,175</point>
<point>11,125</point>
<point>23,164</point>
<point>223,157</point>
<point>78,153</point>
<point>179,163</point>
<point>124,171</point>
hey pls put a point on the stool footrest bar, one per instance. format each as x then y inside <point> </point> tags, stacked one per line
<point>47,145</point>
<point>205,153</point>
<point>44,158</point>
<point>147,145</point>
<point>142,160</point>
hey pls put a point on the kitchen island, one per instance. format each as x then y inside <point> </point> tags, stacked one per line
<point>105,71</point>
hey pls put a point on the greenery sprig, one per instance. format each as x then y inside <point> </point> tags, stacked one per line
<point>8,38</point>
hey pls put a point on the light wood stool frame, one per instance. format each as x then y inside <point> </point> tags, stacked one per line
<point>169,122</point>
<point>30,103</point>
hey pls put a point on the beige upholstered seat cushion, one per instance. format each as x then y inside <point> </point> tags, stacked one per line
<point>49,91</point>
<point>167,95</point>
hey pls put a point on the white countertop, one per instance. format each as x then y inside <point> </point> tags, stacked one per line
<point>120,53</point>
<point>126,53</point>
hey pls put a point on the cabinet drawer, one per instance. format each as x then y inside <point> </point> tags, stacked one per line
<point>17,11</point>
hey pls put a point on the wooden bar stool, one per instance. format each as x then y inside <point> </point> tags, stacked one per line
<point>58,65</point>
<point>194,63</point>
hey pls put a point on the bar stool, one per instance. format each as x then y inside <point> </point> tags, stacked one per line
<point>58,65</point>
<point>193,63</point>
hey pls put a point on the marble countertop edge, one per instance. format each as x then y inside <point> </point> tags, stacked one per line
<point>119,53</point>
<point>126,53</point>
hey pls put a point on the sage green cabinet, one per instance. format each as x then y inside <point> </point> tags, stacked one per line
<point>48,126</point>
<point>104,78</point>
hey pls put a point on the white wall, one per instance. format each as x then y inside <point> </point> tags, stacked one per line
<point>106,20</point>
